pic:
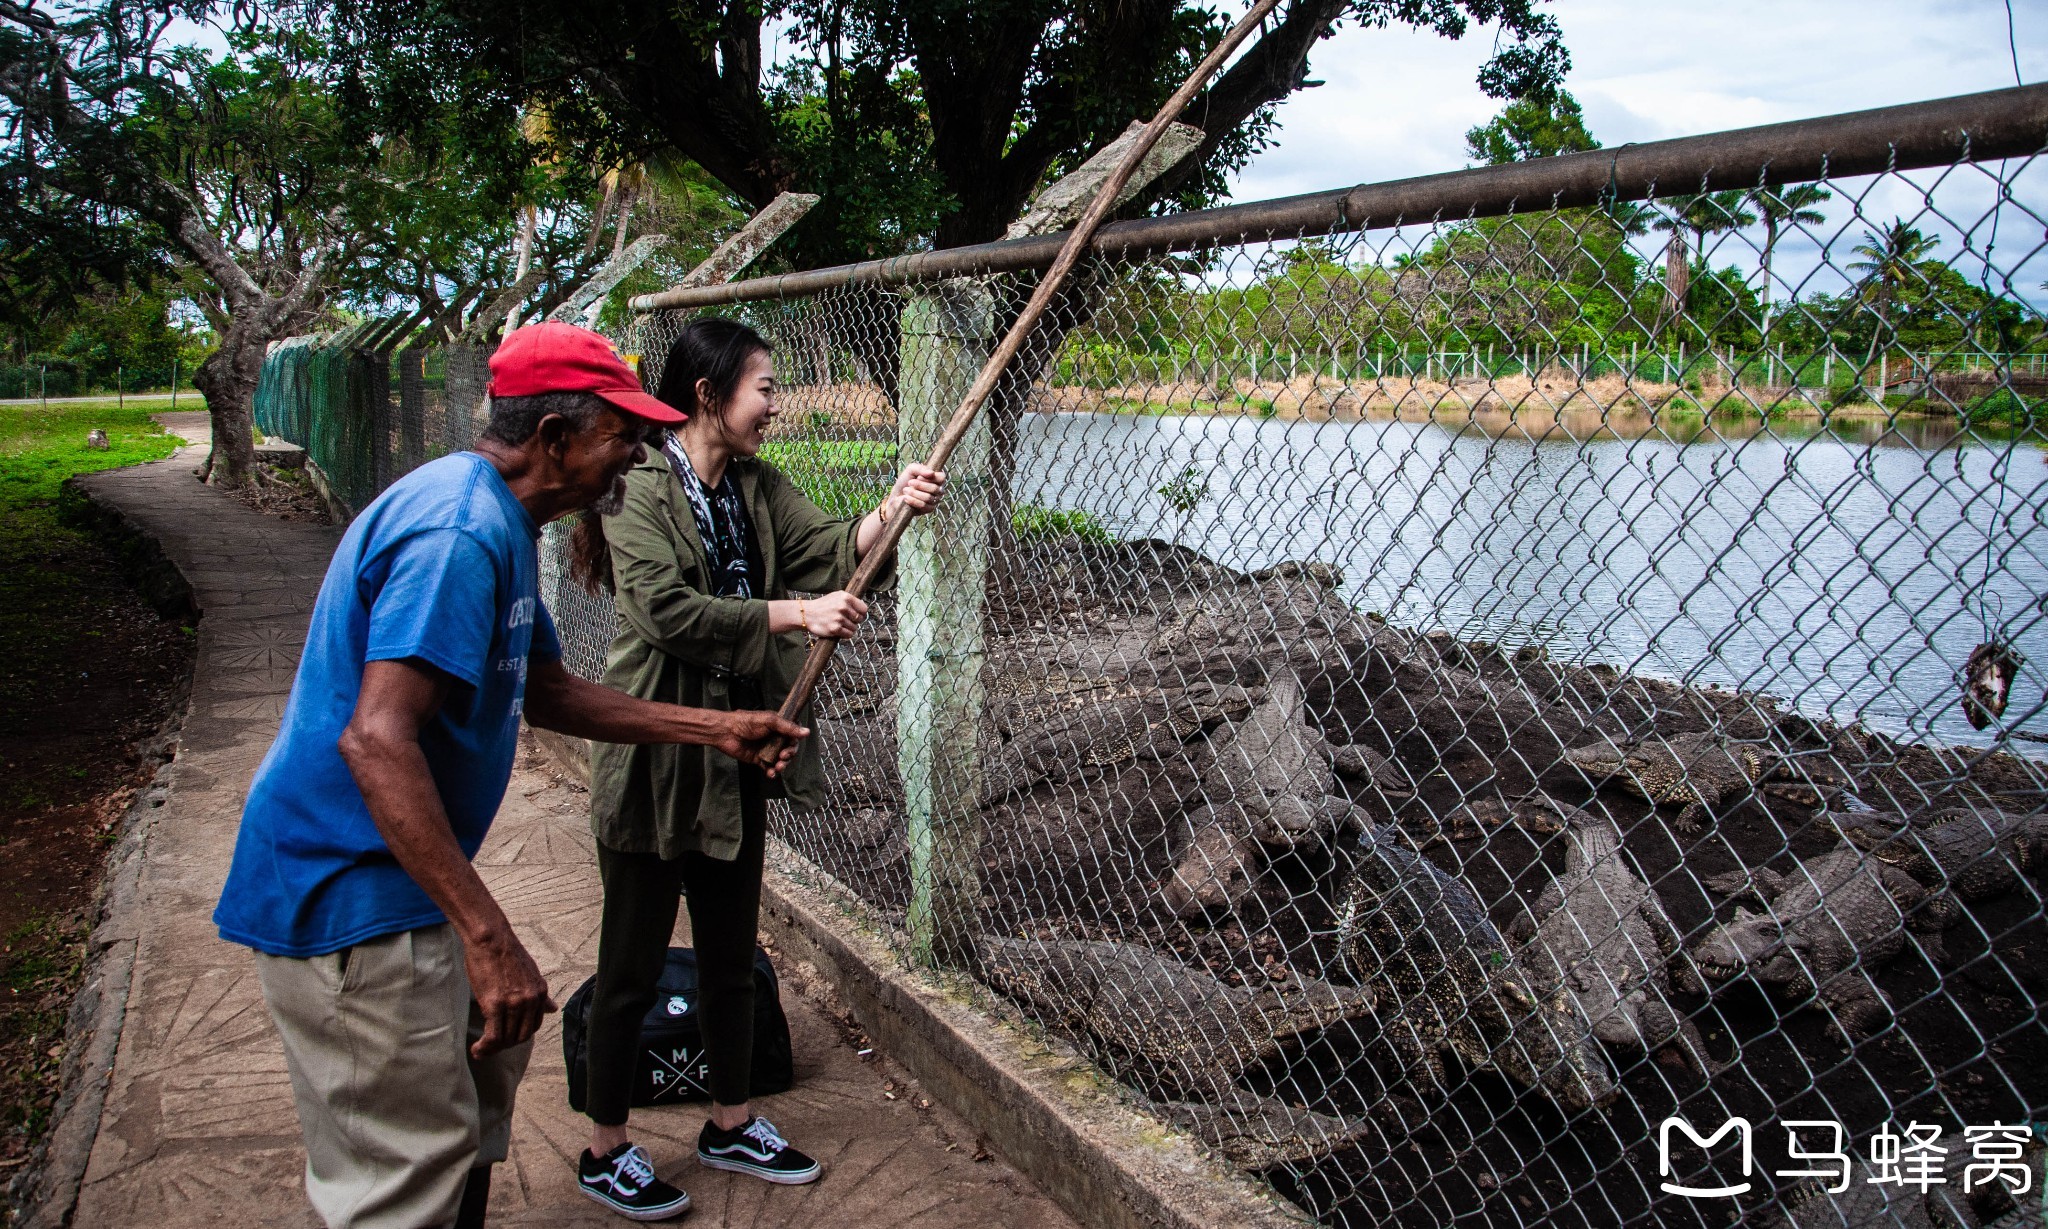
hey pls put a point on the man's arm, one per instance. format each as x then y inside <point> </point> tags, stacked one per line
<point>382,749</point>
<point>558,700</point>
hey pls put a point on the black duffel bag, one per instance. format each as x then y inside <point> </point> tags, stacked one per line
<point>672,1066</point>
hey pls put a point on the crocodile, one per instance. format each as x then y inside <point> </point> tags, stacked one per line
<point>1260,1132</point>
<point>1824,927</point>
<point>1364,766</point>
<point>1217,855</point>
<point>1091,728</point>
<point>1702,771</point>
<point>1600,934</point>
<point>1021,693</point>
<point>1273,769</point>
<point>1062,744</point>
<point>1269,783</point>
<point>1867,1203</point>
<point>1175,1029</point>
<point>1971,853</point>
<point>1448,984</point>
<point>1289,613</point>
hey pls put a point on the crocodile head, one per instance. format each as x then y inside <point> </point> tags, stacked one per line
<point>1550,1046</point>
<point>1869,829</point>
<point>1601,759</point>
<point>1752,943</point>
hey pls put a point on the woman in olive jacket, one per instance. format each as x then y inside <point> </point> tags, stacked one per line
<point>702,556</point>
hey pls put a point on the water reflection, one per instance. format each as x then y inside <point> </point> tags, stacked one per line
<point>1847,567</point>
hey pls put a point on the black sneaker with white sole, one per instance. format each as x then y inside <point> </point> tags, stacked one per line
<point>755,1147</point>
<point>623,1180</point>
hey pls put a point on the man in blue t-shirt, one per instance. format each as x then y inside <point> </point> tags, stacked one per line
<point>406,1004</point>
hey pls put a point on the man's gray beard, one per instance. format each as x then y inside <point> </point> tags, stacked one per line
<point>612,502</point>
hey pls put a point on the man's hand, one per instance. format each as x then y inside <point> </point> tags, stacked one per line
<point>382,748</point>
<point>764,740</point>
<point>509,991</point>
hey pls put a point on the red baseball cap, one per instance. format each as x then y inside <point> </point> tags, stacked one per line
<point>561,358</point>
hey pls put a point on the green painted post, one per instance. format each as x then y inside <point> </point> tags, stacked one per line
<point>942,566</point>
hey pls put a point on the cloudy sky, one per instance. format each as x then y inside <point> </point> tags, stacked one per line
<point>1397,103</point>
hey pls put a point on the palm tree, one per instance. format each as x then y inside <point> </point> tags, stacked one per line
<point>1628,217</point>
<point>1700,214</point>
<point>1890,257</point>
<point>1793,206</point>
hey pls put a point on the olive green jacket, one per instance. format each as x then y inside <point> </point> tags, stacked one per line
<point>679,643</point>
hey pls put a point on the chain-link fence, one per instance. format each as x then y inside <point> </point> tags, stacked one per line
<point>370,404</point>
<point>1458,712</point>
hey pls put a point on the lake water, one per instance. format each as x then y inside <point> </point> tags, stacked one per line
<point>1848,572</point>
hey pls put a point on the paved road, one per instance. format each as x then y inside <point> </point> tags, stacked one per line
<point>198,1128</point>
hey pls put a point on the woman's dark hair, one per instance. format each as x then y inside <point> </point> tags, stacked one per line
<point>711,349</point>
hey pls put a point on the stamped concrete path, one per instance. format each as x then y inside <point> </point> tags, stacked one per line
<point>197,1127</point>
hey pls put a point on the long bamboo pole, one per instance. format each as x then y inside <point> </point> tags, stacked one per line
<point>1013,341</point>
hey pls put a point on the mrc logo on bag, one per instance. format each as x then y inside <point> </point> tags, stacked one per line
<point>678,1072</point>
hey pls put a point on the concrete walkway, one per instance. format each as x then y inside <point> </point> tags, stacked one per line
<point>197,1127</point>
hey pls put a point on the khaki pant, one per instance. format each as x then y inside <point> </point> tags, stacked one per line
<point>394,1111</point>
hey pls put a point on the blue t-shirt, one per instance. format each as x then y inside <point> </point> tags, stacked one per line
<point>441,568</point>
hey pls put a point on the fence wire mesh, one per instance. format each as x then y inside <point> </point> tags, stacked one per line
<point>1424,708</point>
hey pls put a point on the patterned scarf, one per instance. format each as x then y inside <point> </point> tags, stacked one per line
<point>725,534</point>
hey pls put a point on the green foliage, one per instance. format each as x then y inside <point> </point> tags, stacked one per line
<point>1704,214</point>
<point>1567,277</point>
<point>1186,490</point>
<point>919,124</point>
<point>2003,407</point>
<point>1721,309</point>
<point>794,455</point>
<point>844,477</point>
<point>1908,299</point>
<point>261,193</point>
<point>98,338</point>
<point>1033,523</point>
<point>1528,128</point>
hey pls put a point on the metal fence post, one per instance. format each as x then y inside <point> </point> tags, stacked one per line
<point>942,568</point>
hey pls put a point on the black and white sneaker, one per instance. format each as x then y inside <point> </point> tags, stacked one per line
<point>623,1180</point>
<point>755,1147</point>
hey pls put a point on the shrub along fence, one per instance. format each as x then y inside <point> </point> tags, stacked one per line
<point>1505,696</point>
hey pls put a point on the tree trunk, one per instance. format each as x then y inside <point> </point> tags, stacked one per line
<point>529,221</point>
<point>1770,242</point>
<point>227,379</point>
<point>1676,275</point>
<point>625,214</point>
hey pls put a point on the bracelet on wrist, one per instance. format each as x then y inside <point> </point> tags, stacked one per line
<point>801,621</point>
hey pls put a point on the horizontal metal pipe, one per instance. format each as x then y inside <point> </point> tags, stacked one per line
<point>1973,127</point>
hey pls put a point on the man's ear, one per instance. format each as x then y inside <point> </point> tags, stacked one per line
<point>553,432</point>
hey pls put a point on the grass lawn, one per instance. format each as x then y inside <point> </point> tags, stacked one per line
<point>87,669</point>
<point>849,477</point>
<point>40,448</point>
<point>844,477</point>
